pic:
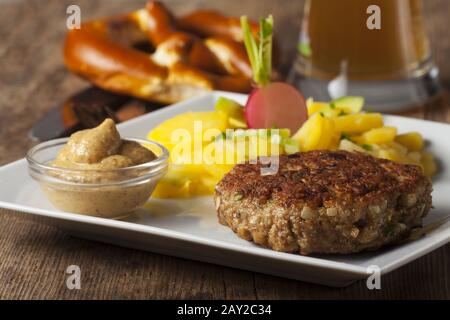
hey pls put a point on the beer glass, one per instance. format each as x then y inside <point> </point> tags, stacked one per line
<point>374,48</point>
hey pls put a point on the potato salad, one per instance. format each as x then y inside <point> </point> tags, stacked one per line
<point>204,146</point>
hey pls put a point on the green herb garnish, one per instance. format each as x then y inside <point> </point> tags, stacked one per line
<point>305,49</point>
<point>367,147</point>
<point>259,50</point>
<point>345,136</point>
<point>220,136</point>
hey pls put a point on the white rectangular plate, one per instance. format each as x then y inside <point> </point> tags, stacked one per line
<point>189,228</point>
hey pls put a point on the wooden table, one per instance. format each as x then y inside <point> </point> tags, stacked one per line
<point>34,257</point>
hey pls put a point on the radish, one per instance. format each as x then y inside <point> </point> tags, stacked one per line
<point>275,104</point>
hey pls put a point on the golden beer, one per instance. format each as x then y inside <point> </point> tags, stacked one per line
<point>336,39</point>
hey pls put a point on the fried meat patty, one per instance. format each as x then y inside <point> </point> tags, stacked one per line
<point>324,202</point>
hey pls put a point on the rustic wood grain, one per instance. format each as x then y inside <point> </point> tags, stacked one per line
<point>34,256</point>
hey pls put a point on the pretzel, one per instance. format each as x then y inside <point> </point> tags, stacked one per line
<point>208,23</point>
<point>182,65</point>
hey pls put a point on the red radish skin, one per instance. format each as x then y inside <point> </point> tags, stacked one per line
<point>278,105</point>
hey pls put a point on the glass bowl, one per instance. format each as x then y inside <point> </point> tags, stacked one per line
<point>106,193</point>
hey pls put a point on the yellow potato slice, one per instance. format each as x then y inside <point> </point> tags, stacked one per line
<point>327,134</point>
<point>428,163</point>
<point>397,156</point>
<point>411,140</point>
<point>415,155</point>
<point>358,123</point>
<point>220,156</point>
<point>396,146</point>
<point>181,181</point>
<point>316,133</point>
<point>341,106</point>
<point>166,189</point>
<point>217,171</point>
<point>205,186</point>
<point>358,139</point>
<point>347,145</point>
<point>191,124</point>
<point>379,135</point>
<point>233,111</point>
<point>310,133</point>
<point>230,107</point>
<point>291,146</point>
<point>321,107</point>
<point>335,141</point>
<point>237,123</point>
<point>173,185</point>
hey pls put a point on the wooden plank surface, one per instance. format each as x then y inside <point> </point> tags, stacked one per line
<point>34,256</point>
